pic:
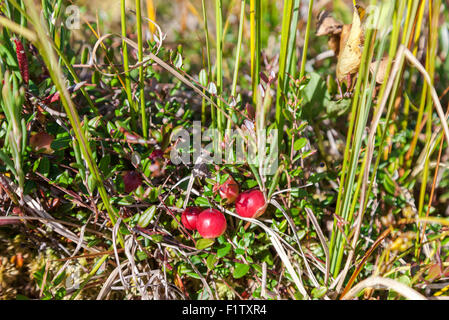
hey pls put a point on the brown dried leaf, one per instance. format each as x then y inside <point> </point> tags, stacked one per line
<point>380,77</point>
<point>327,25</point>
<point>351,55</point>
<point>434,273</point>
<point>334,44</point>
<point>41,142</point>
<point>344,36</point>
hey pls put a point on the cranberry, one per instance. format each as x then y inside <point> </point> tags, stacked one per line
<point>211,223</point>
<point>132,181</point>
<point>189,217</point>
<point>250,204</point>
<point>229,190</point>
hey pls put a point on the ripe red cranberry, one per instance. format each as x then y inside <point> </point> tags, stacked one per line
<point>211,223</point>
<point>189,217</point>
<point>229,190</point>
<point>132,181</point>
<point>250,204</point>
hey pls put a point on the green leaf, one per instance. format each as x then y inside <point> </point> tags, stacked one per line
<point>146,167</point>
<point>44,166</point>
<point>389,185</point>
<point>319,292</point>
<point>222,252</point>
<point>157,237</point>
<point>314,94</point>
<point>249,184</point>
<point>210,262</point>
<point>61,143</point>
<point>179,202</point>
<point>299,144</point>
<point>202,202</point>
<point>126,201</point>
<point>8,162</point>
<point>338,108</point>
<point>282,225</point>
<point>104,163</point>
<point>146,217</point>
<point>203,78</point>
<point>301,234</point>
<point>240,270</point>
<point>204,243</point>
<point>141,255</point>
<point>193,275</point>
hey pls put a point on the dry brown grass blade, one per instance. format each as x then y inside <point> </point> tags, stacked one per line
<point>56,221</point>
<point>322,240</point>
<point>36,207</point>
<point>385,284</point>
<point>412,59</point>
<point>303,256</point>
<point>364,259</point>
<point>130,250</point>
<point>114,245</point>
<point>109,281</point>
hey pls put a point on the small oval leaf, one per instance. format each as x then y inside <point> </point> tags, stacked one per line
<point>204,243</point>
<point>146,217</point>
<point>240,270</point>
<point>224,251</point>
<point>299,144</point>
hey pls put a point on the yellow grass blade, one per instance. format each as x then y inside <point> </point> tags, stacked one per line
<point>151,12</point>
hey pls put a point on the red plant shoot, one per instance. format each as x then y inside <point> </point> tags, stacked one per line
<point>23,61</point>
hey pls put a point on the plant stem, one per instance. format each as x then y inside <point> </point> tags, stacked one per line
<point>288,37</point>
<point>237,56</point>
<point>209,68</point>
<point>219,62</point>
<point>306,40</point>
<point>126,64</point>
<point>239,48</point>
<point>141,71</point>
<point>255,22</point>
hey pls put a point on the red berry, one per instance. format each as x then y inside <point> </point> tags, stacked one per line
<point>132,181</point>
<point>229,190</point>
<point>250,204</point>
<point>189,217</point>
<point>211,223</point>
